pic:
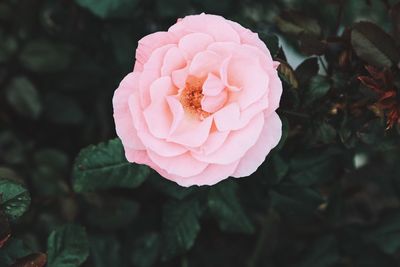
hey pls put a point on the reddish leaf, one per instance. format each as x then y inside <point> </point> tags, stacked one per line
<point>370,83</point>
<point>5,231</point>
<point>33,260</point>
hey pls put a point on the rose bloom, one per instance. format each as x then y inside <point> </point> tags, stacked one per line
<point>200,103</point>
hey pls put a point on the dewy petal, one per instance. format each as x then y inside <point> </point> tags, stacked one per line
<point>215,26</point>
<point>214,103</point>
<point>158,115</point>
<point>151,72</point>
<point>183,165</point>
<point>191,132</point>
<point>162,147</point>
<point>237,143</point>
<point>194,43</point>
<point>212,85</point>
<point>122,115</point>
<point>173,60</point>
<point>255,156</point>
<point>204,63</point>
<point>148,44</point>
<point>227,118</point>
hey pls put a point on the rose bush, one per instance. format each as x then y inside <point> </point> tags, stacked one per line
<point>200,103</point>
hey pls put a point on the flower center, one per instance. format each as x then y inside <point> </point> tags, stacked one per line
<point>192,95</point>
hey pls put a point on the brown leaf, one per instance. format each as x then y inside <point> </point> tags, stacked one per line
<point>33,260</point>
<point>288,74</point>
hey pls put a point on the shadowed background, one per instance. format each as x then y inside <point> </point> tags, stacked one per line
<point>328,195</point>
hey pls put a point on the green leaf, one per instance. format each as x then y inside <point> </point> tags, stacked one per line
<point>111,212</point>
<point>295,201</point>
<point>373,45</point>
<point>105,166</point>
<point>62,109</point>
<point>12,251</point>
<point>272,42</point>
<point>319,87</point>
<point>45,56</point>
<point>285,132</point>
<point>8,46</point>
<point>387,234</point>
<point>307,70</point>
<point>296,24</point>
<point>32,260</point>
<point>146,249</point>
<point>23,97</point>
<point>14,198</point>
<point>5,230</point>
<point>325,133</point>
<point>307,169</point>
<point>67,246</point>
<point>225,206</point>
<point>170,188</point>
<point>106,251</point>
<point>323,253</point>
<point>180,227</point>
<point>50,172</point>
<point>109,8</point>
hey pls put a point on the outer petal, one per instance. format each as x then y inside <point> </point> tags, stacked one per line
<point>151,72</point>
<point>237,143</point>
<point>122,115</point>
<point>183,165</point>
<point>213,174</point>
<point>275,92</point>
<point>216,26</point>
<point>255,156</point>
<point>148,44</point>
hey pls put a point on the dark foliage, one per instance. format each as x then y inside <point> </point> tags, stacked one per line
<point>327,196</point>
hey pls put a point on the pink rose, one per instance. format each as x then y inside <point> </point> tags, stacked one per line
<point>200,103</point>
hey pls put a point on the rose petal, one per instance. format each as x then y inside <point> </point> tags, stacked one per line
<point>227,118</point>
<point>183,165</point>
<point>151,72</point>
<point>161,146</point>
<point>193,43</point>
<point>214,103</point>
<point>173,60</point>
<point>237,143</point>
<point>191,131</point>
<point>122,116</point>
<point>148,44</point>
<point>255,156</point>
<point>204,63</point>
<point>215,26</point>
<point>177,112</point>
<point>158,115</point>
<point>179,77</point>
<point>212,85</point>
